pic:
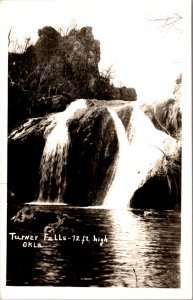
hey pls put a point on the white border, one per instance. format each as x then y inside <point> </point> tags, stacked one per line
<point>185,292</point>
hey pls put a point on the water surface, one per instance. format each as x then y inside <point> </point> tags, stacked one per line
<point>139,249</point>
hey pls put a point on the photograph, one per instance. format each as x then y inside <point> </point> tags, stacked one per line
<point>96,149</point>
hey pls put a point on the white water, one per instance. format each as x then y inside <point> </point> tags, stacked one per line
<point>141,149</point>
<point>139,157</point>
<point>55,153</point>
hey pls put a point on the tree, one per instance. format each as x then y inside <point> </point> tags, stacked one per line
<point>58,64</point>
<point>177,88</point>
<point>168,21</point>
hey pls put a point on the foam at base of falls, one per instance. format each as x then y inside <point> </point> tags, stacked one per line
<point>45,203</point>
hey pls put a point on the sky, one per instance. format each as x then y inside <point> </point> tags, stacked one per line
<point>141,53</point>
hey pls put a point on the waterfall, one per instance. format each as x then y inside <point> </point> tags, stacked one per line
<point>114,151</point>
<point>54,158</point>
<point>138,157</point>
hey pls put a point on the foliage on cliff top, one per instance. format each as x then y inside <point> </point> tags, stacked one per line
<point>58,64</point>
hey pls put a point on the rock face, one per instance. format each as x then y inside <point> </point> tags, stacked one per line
<point>71,62</point>
<point>95,153</point>
<point>64,66</point>
<point>166,116</point>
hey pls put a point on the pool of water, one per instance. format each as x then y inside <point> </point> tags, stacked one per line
<point>98,247</point>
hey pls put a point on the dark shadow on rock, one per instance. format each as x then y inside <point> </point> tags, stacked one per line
<point>157,194</point>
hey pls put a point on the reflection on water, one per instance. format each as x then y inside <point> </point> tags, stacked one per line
<point>139,249</point>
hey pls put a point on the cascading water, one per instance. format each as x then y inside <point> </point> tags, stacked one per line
<point>115,150</point>
<point>54,158</point>
<point>138,158</point>
<point>118,183</point>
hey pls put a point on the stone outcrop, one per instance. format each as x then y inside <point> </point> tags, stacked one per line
<point>166,116</point>
<point>38,219</point>
<point>65,66</point>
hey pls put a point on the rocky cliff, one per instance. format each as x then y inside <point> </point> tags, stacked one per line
<point>58,65</point>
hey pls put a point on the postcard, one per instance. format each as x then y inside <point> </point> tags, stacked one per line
<point>96,149</point>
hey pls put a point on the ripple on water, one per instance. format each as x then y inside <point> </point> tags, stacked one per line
<point>150,246</point>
